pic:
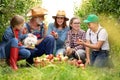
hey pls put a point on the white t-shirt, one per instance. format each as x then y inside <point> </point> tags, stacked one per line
<point>102,36</point>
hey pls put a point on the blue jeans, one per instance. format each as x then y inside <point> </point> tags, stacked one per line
<point>46,46</point>
<point>60,51</point>
<point>99,58</point>
<point>23,53</point>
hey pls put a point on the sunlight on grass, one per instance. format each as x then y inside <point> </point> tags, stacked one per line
<point>113,28</point>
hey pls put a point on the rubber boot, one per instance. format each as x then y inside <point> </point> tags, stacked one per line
<point>13,58</point>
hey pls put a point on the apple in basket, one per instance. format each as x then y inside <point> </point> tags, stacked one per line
<point>79,61</point>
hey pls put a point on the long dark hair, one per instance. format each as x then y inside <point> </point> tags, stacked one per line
<point>56,24</point>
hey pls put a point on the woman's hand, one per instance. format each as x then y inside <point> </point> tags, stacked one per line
<point>55,34</point>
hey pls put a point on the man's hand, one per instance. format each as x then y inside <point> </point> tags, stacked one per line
<point>30,35</point>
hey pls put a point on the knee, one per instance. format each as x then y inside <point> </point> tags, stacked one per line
<point>14,42</point>
<point>26,54</point>
<point>50,38</point>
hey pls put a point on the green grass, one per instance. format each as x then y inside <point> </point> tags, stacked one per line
<point>65,71</point>
<point>59,72</point>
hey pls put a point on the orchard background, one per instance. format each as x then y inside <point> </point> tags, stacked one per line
<point>109,13</point>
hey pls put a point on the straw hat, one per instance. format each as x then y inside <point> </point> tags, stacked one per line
<point>37,11</point>
<point>61,13</point>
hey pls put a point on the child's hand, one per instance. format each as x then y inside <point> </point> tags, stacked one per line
<point>79,41</point>
<point>68,51</point>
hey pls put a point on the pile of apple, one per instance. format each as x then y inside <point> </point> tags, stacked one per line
<point>77,63</point>
<point>47,59</point>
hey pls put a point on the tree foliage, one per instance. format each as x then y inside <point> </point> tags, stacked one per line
<point>9,8</point>
<point>99,6</point>
<point>108,7</point>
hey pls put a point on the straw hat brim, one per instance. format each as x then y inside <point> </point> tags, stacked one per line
<point>60,16</point>
<point>37,12</point>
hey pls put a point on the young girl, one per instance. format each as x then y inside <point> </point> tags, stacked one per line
<point>59,30</point>
<point>73,49</point>
<point>11,38</point>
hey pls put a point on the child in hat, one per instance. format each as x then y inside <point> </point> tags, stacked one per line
<point>97,40</point>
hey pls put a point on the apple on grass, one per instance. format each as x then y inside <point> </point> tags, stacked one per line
<point>50,56</point>
<point>82,66</point>
<point>37,62</point>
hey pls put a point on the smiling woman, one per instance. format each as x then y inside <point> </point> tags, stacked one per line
<point>54,5</point>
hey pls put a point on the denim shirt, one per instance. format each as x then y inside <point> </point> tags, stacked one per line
<point>62,34</point>
<point>8,34</point>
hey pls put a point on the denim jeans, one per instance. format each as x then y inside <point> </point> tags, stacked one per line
<point>99,58</point>
<point>45,47</point>
<point>23,53</point>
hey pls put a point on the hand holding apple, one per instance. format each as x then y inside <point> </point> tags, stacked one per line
<point>54,34</point>
<point>80,41</point>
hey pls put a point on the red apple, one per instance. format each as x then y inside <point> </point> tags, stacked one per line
<point>57,55</point>
<point>51,57</point>
<point>37,60</point>
<point>53,32</point>
<point>59,58</point>
<point>79,61</point>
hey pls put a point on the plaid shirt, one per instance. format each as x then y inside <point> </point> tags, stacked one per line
<point>72,38</point>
